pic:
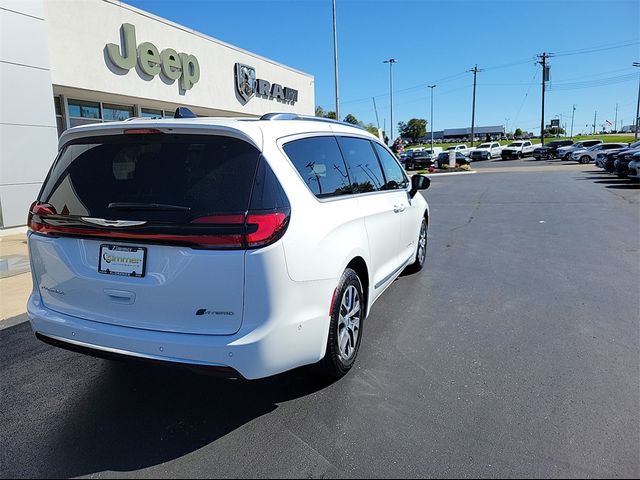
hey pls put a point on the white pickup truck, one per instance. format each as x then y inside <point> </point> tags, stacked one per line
<point>486,151</point>
<point>519,149</point>
<point>462,148</point>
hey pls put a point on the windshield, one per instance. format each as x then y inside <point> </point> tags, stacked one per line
<point>515,144</point>
<point>484,145</point>
<point>451,148</point>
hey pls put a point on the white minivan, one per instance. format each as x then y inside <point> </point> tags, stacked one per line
<point>249,246</point>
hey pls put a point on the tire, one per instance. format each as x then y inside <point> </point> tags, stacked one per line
<point>421,251</point>
<point>345,331</point>
<point>519,155</point>
<point>585,159</point>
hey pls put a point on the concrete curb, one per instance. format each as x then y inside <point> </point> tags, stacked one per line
<point>436,175</point>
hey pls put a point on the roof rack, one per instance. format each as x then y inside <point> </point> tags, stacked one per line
<point>295,116</point>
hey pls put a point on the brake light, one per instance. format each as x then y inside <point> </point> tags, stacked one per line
<point>36,210</point>
<point>143,131</point>
<point>227,231</point>
<point>265,228</point>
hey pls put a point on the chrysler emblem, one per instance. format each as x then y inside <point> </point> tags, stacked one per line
<point>245,81</point>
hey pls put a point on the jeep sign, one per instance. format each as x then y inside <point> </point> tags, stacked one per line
<point>171,64</point>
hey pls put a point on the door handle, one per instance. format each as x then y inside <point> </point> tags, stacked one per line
<point>120,296</point>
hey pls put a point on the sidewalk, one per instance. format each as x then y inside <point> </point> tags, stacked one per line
<point>15,276</point>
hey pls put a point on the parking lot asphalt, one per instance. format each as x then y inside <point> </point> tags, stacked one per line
<point>514,353</point>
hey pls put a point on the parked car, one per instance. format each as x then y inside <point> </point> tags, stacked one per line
<point>634,167</point>
<point>420,159</point>
<point>443,159</point>
<point>519,149</point>
<point>607,162</point>
<point>589,154</point>
<point>486,151</point>
<point>250,246</point>
<point>461,147</point>
<point>565,152</point>
<point>621,163</point>
<point>548,150</point>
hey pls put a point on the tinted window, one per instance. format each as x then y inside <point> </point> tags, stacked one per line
<point>205,174</point>
<point>393,173</point>
<point>364,168</point>
<point>81,108</point>
<point>320,164</point>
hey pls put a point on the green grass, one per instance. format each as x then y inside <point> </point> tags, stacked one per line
<point>576,138</point>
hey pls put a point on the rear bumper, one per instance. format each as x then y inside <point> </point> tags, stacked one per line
<point>276,345</point>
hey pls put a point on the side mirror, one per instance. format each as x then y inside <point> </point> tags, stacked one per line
<point>419,182</point>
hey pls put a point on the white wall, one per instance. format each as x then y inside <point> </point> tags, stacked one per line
<point>28,133</point>
<point>78,31</point>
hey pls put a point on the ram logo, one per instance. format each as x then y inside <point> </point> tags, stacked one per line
<point>245,81</point>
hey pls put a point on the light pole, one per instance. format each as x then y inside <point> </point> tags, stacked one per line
<point>637,122</point>
<point>391,61</point>
<point>506,128</point>
<point>335,60</point>
<point>432,87</point>
<point>573,113</point>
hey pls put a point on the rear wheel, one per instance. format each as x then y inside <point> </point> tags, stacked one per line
<point>585,159</point>
<point>345,331</point>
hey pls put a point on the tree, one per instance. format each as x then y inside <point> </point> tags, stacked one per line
<point>351,119</point>
<point>321,112</point>
<point>518,132</point>
<point>413,129</point>
<point>554,131</point>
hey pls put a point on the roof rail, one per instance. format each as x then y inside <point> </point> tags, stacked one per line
<point>184,112</point>
<point>295,116</point>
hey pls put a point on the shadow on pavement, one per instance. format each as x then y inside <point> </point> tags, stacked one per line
<point>626,186</point>
<point>76,415</point>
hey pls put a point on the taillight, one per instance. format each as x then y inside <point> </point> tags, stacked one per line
<point>265,228</point>
<point>260,229</point>
<point>37,210</point>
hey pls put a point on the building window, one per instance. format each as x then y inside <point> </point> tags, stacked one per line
<point>84,109</point>
<point>59,118</point>
<point>114,113</point>
<point>152,113</point>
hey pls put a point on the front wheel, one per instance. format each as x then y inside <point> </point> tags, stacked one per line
<point>421,251</point>
<point>519,155</point>
<point>585,159</point>
<point>345,330</point>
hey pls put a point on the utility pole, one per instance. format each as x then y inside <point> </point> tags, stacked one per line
<point>545,78</point>
<point>506,129</point>
<point>431,87</point>
<point>637,119</point>
<point>573,113</point>
<point>391,61</point>
<point>595,115</point>
<point>615,122</point>
<point>376,110</point>
<point>335,60</point>
<point>475,71</point>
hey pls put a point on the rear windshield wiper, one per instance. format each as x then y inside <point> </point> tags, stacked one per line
<point>146,206</point>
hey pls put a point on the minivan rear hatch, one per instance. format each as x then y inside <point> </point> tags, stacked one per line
<point>149,230</point>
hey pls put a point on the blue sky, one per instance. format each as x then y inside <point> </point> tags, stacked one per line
<point>595,42</point>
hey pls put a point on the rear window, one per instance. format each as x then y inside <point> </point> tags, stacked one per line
<point>124,176</point>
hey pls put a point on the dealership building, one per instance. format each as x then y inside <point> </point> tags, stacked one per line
<point>65,63</point>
